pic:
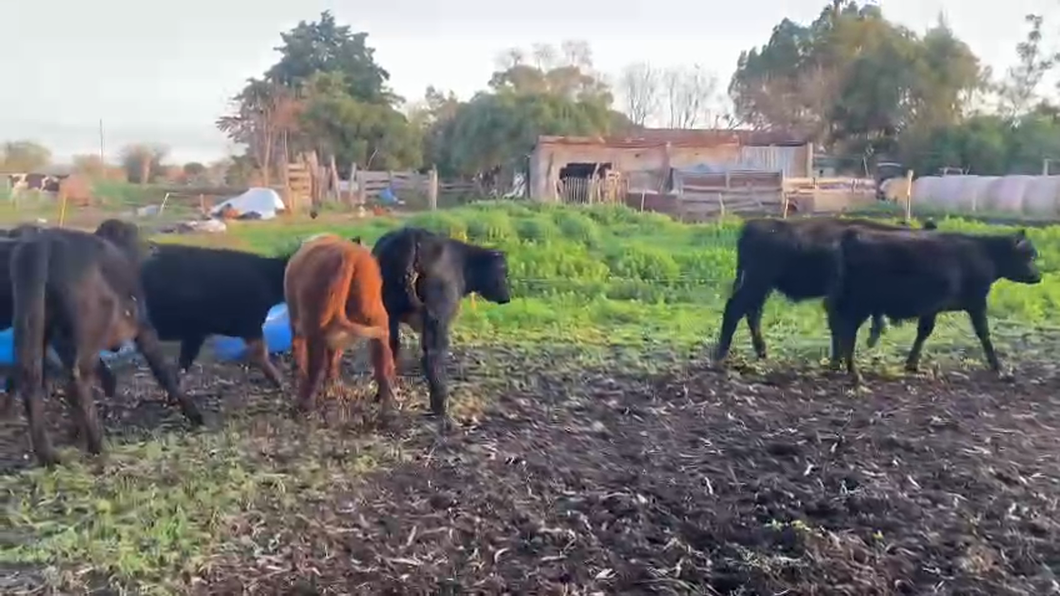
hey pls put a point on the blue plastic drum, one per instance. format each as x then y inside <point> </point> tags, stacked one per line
<point>7,350</point>
<point>277,331</point>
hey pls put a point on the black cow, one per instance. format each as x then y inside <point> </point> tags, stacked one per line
<point>914,275</point>
<point>425,276</point>
<point>194,292</point>
<point>81,293</point>
<point>123,234</point>
<point>794,257</point>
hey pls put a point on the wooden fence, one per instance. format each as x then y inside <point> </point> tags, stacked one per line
<point>829,195</point>
<point>414,189</point>
<point>745,192</point>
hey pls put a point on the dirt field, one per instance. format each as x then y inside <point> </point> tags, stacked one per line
<point>683,481</point>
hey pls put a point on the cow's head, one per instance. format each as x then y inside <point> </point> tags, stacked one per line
<point>126,236</point>
<point>1015,259</point>
<point>488,275</point>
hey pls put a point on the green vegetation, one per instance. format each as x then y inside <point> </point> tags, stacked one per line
<point>604,274</point>
<point>163,505</point>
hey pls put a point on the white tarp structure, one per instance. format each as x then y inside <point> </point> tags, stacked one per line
<point>1033,196</point>
<point>263,201</point>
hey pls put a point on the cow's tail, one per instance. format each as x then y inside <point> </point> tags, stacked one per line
<point>410,276</point>
<point>334,315</point>
<point>741,265</point>
<point>29,274</point>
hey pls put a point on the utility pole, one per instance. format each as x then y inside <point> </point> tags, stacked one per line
<point>102,161</point>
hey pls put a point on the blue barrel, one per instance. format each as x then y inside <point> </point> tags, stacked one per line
<point>7,350</point>
<point>277,331</point>
<point>277,335</point>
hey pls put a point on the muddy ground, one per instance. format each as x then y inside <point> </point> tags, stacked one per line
<point>683,481</point>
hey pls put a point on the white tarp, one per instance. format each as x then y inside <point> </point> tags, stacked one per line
<point>263,201</point>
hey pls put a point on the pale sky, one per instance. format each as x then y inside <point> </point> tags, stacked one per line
<point>163,71</point>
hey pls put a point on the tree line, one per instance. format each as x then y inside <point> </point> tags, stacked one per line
<point>862,88</point>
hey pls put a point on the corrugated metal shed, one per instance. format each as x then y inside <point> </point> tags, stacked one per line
<point>786,160</point>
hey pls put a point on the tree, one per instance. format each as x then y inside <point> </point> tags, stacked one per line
<point>372,135</point>
<point>1019,89</point>
<point>90,165</point>
<point>689,95</point>
<point>640,85</point>
<point>23,156</point>
<point>143,162</point>
<point>327,47</point>
<point>492,134</point>
<point>326,93</point>
<point>571,77</point>
<point>854,78</point>
<point>266,113</point>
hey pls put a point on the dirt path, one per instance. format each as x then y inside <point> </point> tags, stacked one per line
<point>698,483</point>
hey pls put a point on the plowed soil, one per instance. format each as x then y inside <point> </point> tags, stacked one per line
<point>688,481</point>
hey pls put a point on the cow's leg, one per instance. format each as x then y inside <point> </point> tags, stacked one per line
<point>754,325</point>
<point>151,349</point>
<point>332,366</point>
<point>395,339</point>
<point>67,351</point>
<point>924,327</point>
<point>383,366</point>
<point>107,380</point>
<point>190,346</point>
<point>982,331</point>
<point>848,337</point>
<point>30,371</point>
<point>435,340</point>
<point>315,362</point>
<point>878,326</point>
<point>298,358</point>
<point>258,354</point>
<point>743,302</point>
<point>334,363</point>
<point>80,398</point>
<point>835,330</point>
<point>29,386</point>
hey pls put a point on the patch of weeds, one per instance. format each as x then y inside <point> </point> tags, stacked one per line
<point>150,515</point>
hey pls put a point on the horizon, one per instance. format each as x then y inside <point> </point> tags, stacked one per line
<point>172,88</point>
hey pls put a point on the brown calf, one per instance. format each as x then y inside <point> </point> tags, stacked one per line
<point>333,290</point>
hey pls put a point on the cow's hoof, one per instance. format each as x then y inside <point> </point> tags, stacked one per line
<point>48,459</point>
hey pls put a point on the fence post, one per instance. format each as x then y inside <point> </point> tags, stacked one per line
<point>432,188</point>
<point>362,187</point>
<point>909,195</point>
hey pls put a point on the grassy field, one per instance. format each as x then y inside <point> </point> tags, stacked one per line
<point>610,275</point>
<point>596,289</point>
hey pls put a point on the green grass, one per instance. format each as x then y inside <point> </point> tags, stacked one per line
<point>583,279</point>
<point>605,274</point>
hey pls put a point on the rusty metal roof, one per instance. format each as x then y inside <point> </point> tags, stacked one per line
<point>654,137</point>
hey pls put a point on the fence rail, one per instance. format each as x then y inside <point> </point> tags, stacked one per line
<point>706,196</point>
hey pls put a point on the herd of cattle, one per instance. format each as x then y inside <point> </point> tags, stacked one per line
<point>83,293</point>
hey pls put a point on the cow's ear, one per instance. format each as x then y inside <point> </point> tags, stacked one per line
<point>1021,238</point>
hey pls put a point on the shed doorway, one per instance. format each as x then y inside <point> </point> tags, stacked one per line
<point>580,182</point>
